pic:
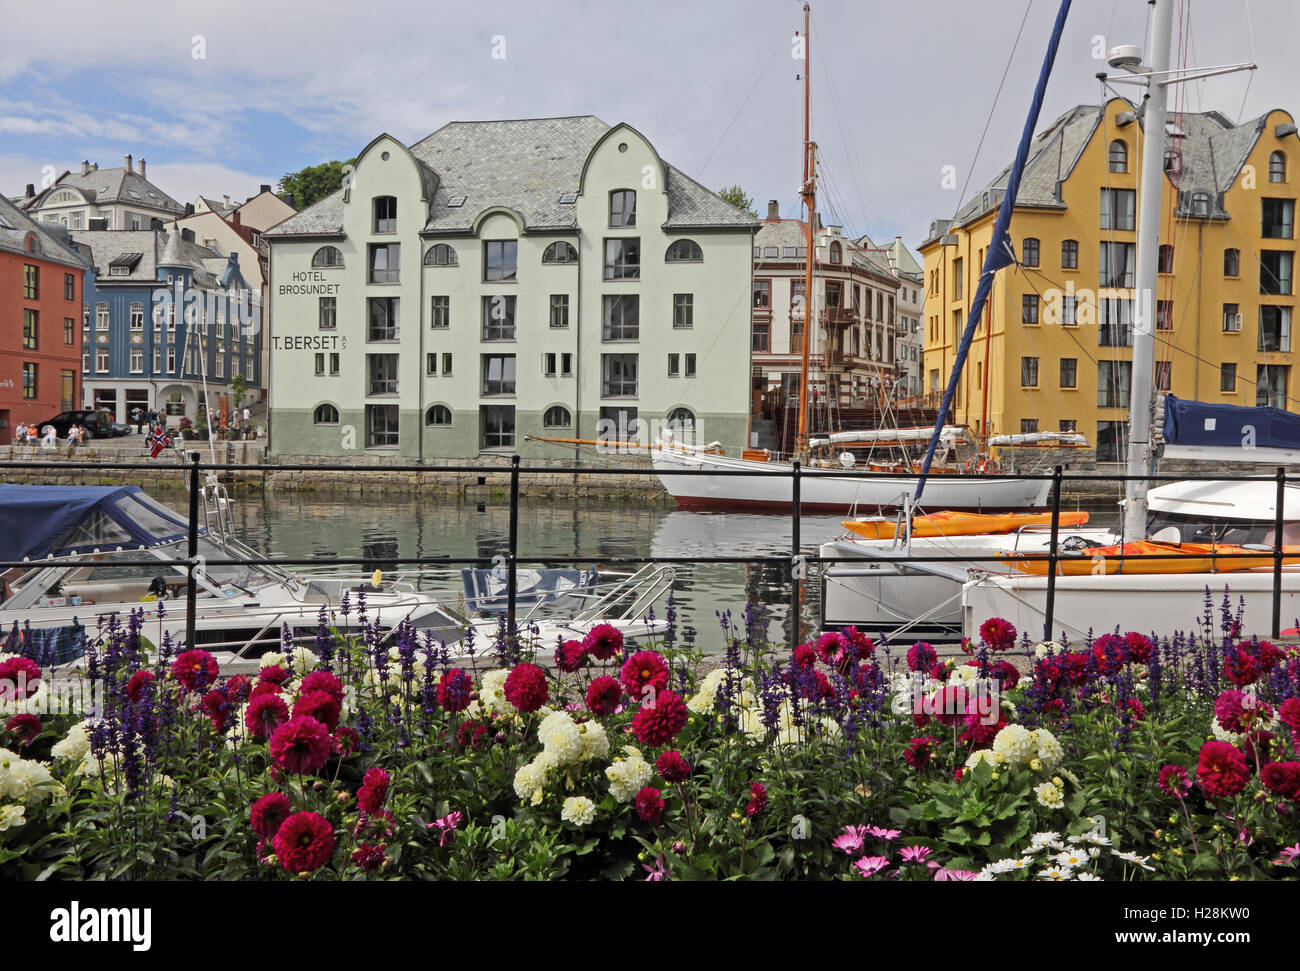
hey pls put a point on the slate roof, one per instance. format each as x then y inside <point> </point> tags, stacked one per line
<point>1213,151</point>
<point>525,165</point>
<point>108,186</point>
<point>157,248</point>
<point>16,224</point>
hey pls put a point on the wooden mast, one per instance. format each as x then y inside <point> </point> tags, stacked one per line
<point>809,193</point>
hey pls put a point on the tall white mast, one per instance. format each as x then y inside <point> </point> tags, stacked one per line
<point>1150,194</point>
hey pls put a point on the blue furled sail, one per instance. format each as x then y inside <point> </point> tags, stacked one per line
<point>1194,429</point>
<point>999,252</point>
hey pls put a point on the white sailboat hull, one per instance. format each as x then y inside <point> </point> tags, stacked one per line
<point>832,490</point>
<point>1163,603</point>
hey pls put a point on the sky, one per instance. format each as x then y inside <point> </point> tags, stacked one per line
<point>221,98</point>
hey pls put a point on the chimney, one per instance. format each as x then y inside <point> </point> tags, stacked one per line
<point>85,166</point>
<point>265,188</point>
<point>189,208</point>
<point>30,191</point>
<point>225,201</point>
<point>288,200</point>
<point>773,209</point>
<point>94,166</point>
<point>234,218</point>
<point>128,164</point>
<point>142,168</point>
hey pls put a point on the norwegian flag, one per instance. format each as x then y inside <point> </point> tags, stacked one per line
<point>157,442</point>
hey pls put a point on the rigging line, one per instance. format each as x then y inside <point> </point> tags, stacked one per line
<point>1250,75</point>
<point>752,89</point>
<point>847,133</point>
<point>988,121</point>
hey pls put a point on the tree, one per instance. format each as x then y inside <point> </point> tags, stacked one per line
<point>238,388</point>
<point>313,183</point>
<point>737,196</point>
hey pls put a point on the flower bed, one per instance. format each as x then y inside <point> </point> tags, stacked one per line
<point>1128,757</point>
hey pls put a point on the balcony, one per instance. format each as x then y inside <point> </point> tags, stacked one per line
<point>838,317</point>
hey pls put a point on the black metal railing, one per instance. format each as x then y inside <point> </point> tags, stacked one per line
<point>795,561</point>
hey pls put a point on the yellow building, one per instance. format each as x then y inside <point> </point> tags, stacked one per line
<point>1054,349</point>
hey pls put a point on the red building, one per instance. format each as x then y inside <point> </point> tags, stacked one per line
<point>41,278</point>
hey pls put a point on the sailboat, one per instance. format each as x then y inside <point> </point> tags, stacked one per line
<point>829,478</point>
<point>1244,513</point>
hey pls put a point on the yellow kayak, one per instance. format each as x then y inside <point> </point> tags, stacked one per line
<point>1147,557</point>
<point>950,523</point>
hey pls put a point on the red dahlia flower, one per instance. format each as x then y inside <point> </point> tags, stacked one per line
<point>216,706</point>
<point>1236,711</point>
<point>370,858</point>
<point>920,752</point>
<point>1221,770</point>
<point>456,690</point>
<point>603,695</point>
<point>830,644</point>
<point>135,688</point>
<point>757,799</point>
<point>1241,669</point>
<point>1139,712</point>
<point>18,678</point>
<point>1173,781</point>
<point>195,669</point>
<point>649,806</point>
<point>304,842</point>
<point>644,670</point>
<point>569,656</point>
<point>525,687</point>
<point>265,714</point>
<point>373,791</point>
<point>238,688</point>
<point>301,745</point>
<point>998,634</point>
<point>1281,779</point>
<point>804,657</point>
<point>1269,655</point>
<point>921,657</point>
<point>1289,712</point>
<point>860,645</point>
<point>345,741</point>
<point>1109,651</point>
<point>263,688</point>
<point>603,641</point>
<point>268,813</point>
<point>274,674</point>
<point>474,734</point>
<point>658,724</point>
<point>321,705</point>
<point>323,681</point>
<point>24,727</point>
<point>1137,647</point>
<point>672,767</point>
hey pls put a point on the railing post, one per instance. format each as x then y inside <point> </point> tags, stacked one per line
<point>1278,518</point>
<point>1052,554</point>
<point>192,551</point>
<point>796,564</point>
<point>511,575</point>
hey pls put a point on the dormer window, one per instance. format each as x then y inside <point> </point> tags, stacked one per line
<point>837,253</point>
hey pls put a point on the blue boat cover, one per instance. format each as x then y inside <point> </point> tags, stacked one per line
<point>488,593</point>
<point>37,520</point>
<point>1198,423</point>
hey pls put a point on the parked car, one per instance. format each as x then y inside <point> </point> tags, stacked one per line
<point>98,424</point>
<point>120,429</point>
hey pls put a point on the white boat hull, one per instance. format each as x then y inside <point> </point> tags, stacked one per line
<point>833,490</point>
<point>1162,603</point>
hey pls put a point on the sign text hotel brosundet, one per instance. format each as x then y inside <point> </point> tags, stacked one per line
<point>309,283</point>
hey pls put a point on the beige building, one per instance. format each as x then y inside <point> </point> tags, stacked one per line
<point>123,198</point>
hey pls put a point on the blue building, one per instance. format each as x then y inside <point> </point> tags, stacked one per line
<point>167,324</point>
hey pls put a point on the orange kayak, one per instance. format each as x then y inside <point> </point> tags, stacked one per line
<point>950,523</point>
<point>1148,557</point>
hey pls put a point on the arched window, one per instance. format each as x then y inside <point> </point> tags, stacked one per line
<point>682,422</point>
<point>438,415</point>
<point>325,414</point>
<point>837,254</point>
<point>1232,262</point>
<point>557,416</point>
<point>560,252</point>
<point>1277,167</point>
<point>1200,203</point>
<point>327,256</point>
<point>440,255</point>
<point>684,251</point>
<point>622,208</point>
<point>1029,251</point>
<point>385,214</point>
<point>1070,254</point>
<point>1119,155</point>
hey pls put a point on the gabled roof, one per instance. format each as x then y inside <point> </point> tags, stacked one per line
<point>16,224</point>
<point>523,165</point>
<point>107,186</point>
<point>145,250</point>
